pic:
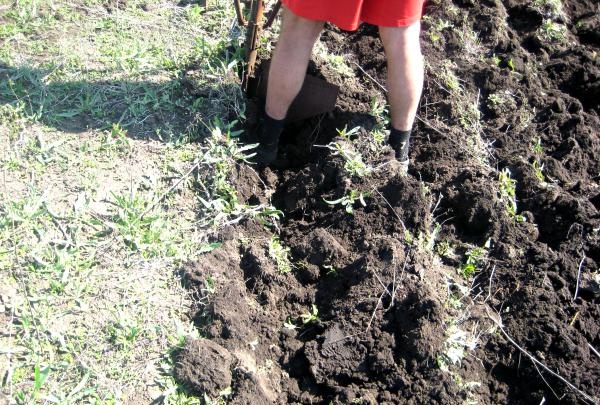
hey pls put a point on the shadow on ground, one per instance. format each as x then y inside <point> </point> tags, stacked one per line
<point>163,109</point>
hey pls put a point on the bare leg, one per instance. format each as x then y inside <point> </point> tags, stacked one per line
<point>405,72</point>
<point>290,61</point>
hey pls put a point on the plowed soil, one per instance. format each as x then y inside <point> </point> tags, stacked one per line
<point>391,303</point>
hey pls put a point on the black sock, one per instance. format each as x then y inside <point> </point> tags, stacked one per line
<point>272,129</point>
<point>399,140</point>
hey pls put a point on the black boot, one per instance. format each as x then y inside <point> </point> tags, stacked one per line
<point>267,135</point>
<point>399,141</point>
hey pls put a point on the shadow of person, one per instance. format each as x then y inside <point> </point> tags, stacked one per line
<point>166,108</point>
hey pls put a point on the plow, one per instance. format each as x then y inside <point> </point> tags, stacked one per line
<point>316,96</point>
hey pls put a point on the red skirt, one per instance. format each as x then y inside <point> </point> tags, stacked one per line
<point>348,14</point>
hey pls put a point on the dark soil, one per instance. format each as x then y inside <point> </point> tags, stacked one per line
<point>383,298</point>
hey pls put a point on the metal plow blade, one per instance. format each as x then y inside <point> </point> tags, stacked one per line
<point>316,96</point>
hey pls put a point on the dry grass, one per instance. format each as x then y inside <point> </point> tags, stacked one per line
<point>95,122</point>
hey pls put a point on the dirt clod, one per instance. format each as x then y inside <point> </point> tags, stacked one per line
<point>205,366</point>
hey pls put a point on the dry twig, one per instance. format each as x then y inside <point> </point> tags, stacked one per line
<point>371,77</point>
<point>393,210</point>
<point>578,277</point>
<point>539,363</point>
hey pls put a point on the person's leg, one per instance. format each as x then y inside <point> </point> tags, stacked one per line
<point>404,81</point>
<point>290,61</point>
<point>286,75</point>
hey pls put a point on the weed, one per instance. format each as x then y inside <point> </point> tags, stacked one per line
<point>537,165</point>
<point>220,197</point>
<point>537,146</point>
<point>380,111</point>
<point>457,343</point>
<point>194,13</point>
<point>470,121</point>
<point>289,324</point>
<point>14,118</point>
<point>449,78</point>
<point>511,64</point>
<point>468,38</point>
<point>337,62</point>
<point>151,235</point>
<point>476,259</point>
<point>331,270</point>
<point>550,8</point>
<point>349,200</point>
<point>435,33</point>
<point>380,131</point>
<point>427,240</point>
<point>444,249</point>
<point>280,254</point>
<point>347,135</point>
<point>115,140</point>
<point>36,149</point>
<point>209,284</point>
<point>39,377</point>
<point>538,169</point>
<point>507,187</point>
<point>123,332</point>
<point>353,161</point>
<point>443,24</point>
<point>496,60</point>
<point>553,31</point>
<point>497,99</point>
<point>310,316</point>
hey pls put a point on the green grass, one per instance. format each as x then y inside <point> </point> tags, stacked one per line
<point>99,193</point>
<point>94,68</point>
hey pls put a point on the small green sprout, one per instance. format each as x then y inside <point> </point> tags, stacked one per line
<point>349,200</point>
<point>39,378</point>
<point>347,135</point>
<point>331,270</point>
<point>443,24</point>
<point>289,324</point>
<point>123,332</point>
<point>378,109</point>
<point>508,193</point>
<point>537,165</point>
<point>116,140</point>
<point>511,64</point>
<point>537,146</point>
<point>408,237</point>
<point>209,284</point>
<point>496,60</point>
<point>338,63</point>
<point>538,169</point>
<point>312,316</point>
